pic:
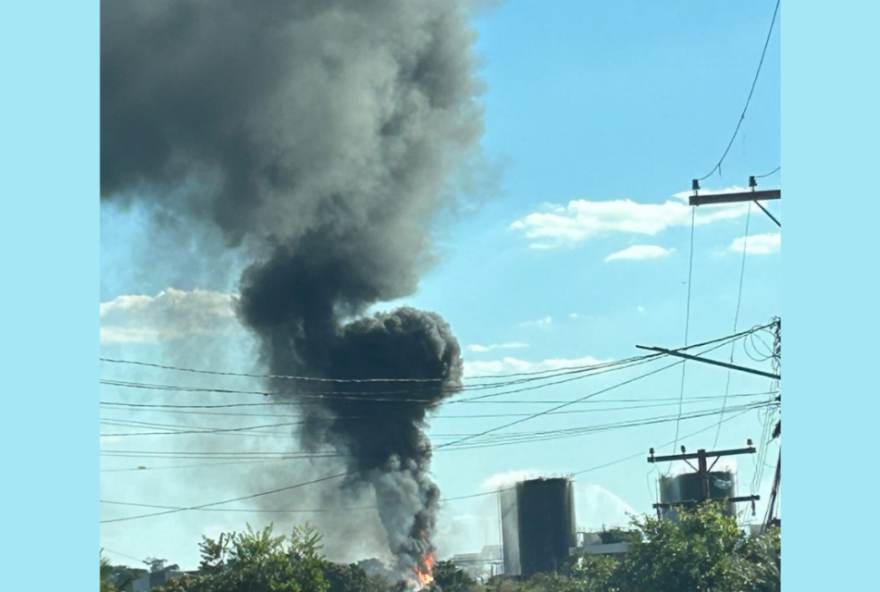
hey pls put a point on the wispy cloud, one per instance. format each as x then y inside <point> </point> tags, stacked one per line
<point>479,349</point>
<point>539,323</point>
<point>758,244</point>
<point>170,315</point>
<point>640,252</point>
<point>509,365</point>
<point>557,226</point>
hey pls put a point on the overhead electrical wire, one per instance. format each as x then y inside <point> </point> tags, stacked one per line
<point>564,405</point>
<point>448,445</point>
<point>529,376</point>
<point>687,316</point>
<point>370,396</point>
<point>212,507</point>
<point>516,422</point>
<point>239,430</point>
<point>178,429</point>
<point>347,380</point>
<point>776,170</point>
<point>652,402</point>
<point>229,501</point>
<point>122,554</point>
<point>742,117</point>
<point>497,440</point>
<point>173,408</point>
<point>580,373</point>
<point>742,275</point>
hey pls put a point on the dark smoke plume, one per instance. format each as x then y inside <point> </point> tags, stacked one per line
<point>319,136</point>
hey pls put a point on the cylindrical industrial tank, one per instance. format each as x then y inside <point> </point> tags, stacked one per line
<point>689,487</point>
<point>540,532</point>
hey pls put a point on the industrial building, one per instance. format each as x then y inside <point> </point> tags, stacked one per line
<point>537,526</point>
<point>483,565</point>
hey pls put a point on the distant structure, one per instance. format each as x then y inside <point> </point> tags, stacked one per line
<point>688,487</point>
<point>600,543</point>
<point>158,578</point>
<point>483,565</point>
<point>537,526</point>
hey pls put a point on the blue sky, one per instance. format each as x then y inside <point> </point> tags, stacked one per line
<point>601,113</point>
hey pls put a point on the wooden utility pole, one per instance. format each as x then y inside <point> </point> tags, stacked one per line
<point>703,469</point>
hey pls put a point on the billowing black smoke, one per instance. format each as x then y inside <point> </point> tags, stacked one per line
<point>319,136</point>
<point>294,303</point>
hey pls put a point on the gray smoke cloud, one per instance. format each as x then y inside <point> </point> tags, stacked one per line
<point>319,136</point>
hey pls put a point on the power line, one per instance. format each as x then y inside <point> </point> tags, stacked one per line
<point>558,407</point>
<point>499,440</point>
<point>742,274</point>
<point>524,419</point>
<point>749,99</point>
<point>653,402</point>
<point>123,555</point>
<point>347,380</point>
<point>562,406</point>
<point>163,407</point>
<point>229,501</point>
<point>641,454</point>
<point>368,396</point>
<point>687,317</point>
<point>211,507</point>
<point>776,170</point>
<point>530,377</point>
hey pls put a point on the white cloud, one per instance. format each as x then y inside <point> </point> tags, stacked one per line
<point>539,323</point>
<point>513,365</point>
<point>758,244</point>
<point>641,309</point>
<point>171,314</point>
<point>479,349</point>
<point>640,252</point>
<point>557,226</point>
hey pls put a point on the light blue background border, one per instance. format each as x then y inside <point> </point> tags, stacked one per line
<point>49,146</point>
<point>830,138</point>
<point>49,294</point>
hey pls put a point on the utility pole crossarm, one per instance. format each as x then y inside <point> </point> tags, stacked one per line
<point>725,198</point>
<point>736,500</point>
<point>713,362</point>
<point>690,455</point>
<point>704,471</point>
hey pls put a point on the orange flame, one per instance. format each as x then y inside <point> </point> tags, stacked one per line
<point>424,571</point>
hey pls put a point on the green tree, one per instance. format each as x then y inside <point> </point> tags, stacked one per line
<point>766,557</point>
<point>554,582</point>
<point>155,564</point>
<point>183,584</point>
<point>258,561</point>
<point>705,551</point>
<point>106,572</point>
<point>595,573</point>
<point>351,578</point>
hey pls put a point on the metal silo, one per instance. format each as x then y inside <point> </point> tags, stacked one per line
<point>688,487</point>
<point>538,526</point>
